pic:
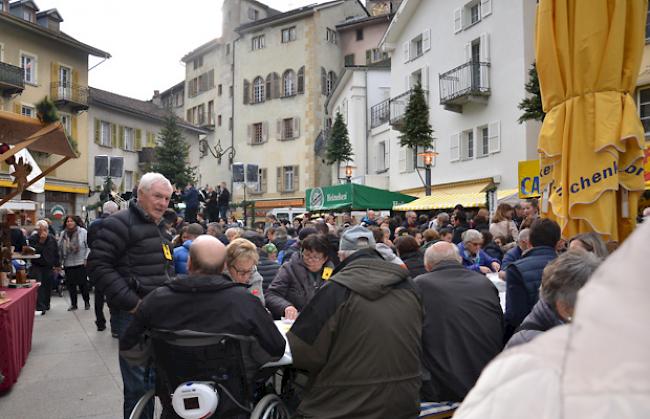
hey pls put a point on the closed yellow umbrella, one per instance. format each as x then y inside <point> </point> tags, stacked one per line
<point>591,142</point>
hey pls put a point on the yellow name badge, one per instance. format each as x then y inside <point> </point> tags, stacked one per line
<point>167,251</point>
<point>327,272</point>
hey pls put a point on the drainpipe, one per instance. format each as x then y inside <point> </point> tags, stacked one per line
<point>366,124</point>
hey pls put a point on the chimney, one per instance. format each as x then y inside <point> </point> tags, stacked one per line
<point>156,100</point>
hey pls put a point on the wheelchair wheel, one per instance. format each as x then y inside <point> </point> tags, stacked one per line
<point>270,407</point>
<point>140,407</point>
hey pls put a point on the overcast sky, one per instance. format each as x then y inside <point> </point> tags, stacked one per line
<point>146,38</point>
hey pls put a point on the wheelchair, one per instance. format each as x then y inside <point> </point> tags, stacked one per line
<point>205,375</point>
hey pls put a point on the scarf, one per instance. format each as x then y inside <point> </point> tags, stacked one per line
<point>71,241</point>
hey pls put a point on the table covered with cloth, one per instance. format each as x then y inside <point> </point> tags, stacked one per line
<point>16,326</point>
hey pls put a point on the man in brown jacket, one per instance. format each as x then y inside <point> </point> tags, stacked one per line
<point>359,338</point>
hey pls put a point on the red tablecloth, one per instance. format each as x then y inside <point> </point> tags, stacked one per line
<point>16,326</point>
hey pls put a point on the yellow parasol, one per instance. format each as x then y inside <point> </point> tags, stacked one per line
<point>591,143</point>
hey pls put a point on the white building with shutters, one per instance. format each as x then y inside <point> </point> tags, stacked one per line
<point>121,126</point>
<point>472,59</point>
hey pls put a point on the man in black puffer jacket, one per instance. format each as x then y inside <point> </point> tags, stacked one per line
<point>131,257</point>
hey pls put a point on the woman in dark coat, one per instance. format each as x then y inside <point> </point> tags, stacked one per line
<point>409,251</point>
<point>298,279</point>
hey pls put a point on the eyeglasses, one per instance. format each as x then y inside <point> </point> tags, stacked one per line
<point>477,243</point>
<point>317,257</point>
<point>243,272</point>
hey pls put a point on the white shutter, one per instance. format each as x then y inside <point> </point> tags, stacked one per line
<point>464,149</point>
<point>425,77</point>
<point>494,137</point>
<point>407,82</point>
<point>249,133</point>
<point>278,129</point>
<point>296,127</point>
<point>458,20</point>
<point>265,131</point>
<point>386,164</point>
<point>485,48</point>
<point>454,150</point>
<point>426,40</point>
<point>402,160</point>
<point>485,58</point>
<point>410,160</point>
<point>405,50</point>
<point>486,8</point>
<point>468,52</point>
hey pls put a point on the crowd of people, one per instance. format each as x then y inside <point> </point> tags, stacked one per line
<point>388,311</point>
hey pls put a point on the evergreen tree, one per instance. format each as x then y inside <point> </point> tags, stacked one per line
<point>532,105</point>
<point>339,148</point>
<point>172,155</point>
<point>416,129</point>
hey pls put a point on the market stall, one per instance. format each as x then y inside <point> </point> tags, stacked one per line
<point>18,304</point>
<point>352,196</point>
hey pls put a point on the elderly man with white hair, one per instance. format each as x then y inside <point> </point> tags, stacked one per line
<point>132,256</point>
<point>463,324</point>
<point>43,268</point>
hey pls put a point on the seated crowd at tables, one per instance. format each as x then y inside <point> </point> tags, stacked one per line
<point>388,311</point>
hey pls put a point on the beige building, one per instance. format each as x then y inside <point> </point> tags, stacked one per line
<point>125,127</point>
<point>209,91</point>
<point>37,59</point>
<point>285,67</point>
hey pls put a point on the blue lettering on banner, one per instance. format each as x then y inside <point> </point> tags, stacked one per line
<point>586,182</point>
<point>534,186</point>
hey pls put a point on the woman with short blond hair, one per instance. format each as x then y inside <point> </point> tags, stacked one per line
<point>241,266</point>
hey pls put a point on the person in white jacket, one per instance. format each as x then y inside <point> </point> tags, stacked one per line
<point>598,366</point>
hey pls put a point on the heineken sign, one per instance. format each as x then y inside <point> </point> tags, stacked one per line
<point>352,196</point>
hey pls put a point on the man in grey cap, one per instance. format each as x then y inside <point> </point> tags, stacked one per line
<point>360,338</point>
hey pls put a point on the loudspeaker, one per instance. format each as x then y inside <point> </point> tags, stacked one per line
<point>116,167</point>
<point>238,172</point>
<point>252,173</point>
<point>101,166</point>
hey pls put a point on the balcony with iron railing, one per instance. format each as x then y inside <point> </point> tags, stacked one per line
<point>11,79</point>
<point>466,83</point>
<point>380,113</point>
<point>398,106</point>
<point>71,96</point>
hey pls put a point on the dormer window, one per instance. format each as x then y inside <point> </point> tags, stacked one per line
<point>29,15</point>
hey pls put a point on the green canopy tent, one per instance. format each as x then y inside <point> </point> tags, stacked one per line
<point>352,196</point>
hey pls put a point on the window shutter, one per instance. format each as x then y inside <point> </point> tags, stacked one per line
<point>210,79</point>
<point>263,182</point>
<point>247,94</point>
<point>54,73</point>
<point>296,178</point>
<point>425,78</point>
<point>75,77</point>
<point>494,137</point>
<point>486,8</point>
<point>402,160</point>
<point>17,108</point>
<point>407,83</point>
<point>405,51</point>
<point>419,160</point>
<point>265,131</point>
<point>485,48</point>
<point>296,127</point>
<point>426,40</point>
<point>464,146</point>
<point>249,134</point>
<point>410,160</point>
<point>73,127</point>
<point>468,52</point>
<point>275,80</point>
<point>368,56</point>
<point>113,135</point>
<point>458,20</point>
<point>97,131</point>
<point>454,150</point>
<point>301,80</point>
<point>485,58</point>
<point>138,139</point>
<point>323,81</point>
<point>278,129</point>
<point>269,86</point>
<point>121,143</point>
<point>279,179</point>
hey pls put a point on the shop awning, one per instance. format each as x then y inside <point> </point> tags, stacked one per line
<point>468,194</point>
<point>352,196</point>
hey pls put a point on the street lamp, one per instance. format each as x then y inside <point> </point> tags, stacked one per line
<point>427,157</point>
<point>348,172</point>
<point>218,151</point>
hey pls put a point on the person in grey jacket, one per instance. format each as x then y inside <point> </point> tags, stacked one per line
<point>561,281</point>
<point>73,248</point>
<point>241,266</point>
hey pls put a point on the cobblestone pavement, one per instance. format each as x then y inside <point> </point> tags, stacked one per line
<point>72,370</point>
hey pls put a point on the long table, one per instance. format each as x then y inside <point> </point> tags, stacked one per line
<point>16,326</point>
